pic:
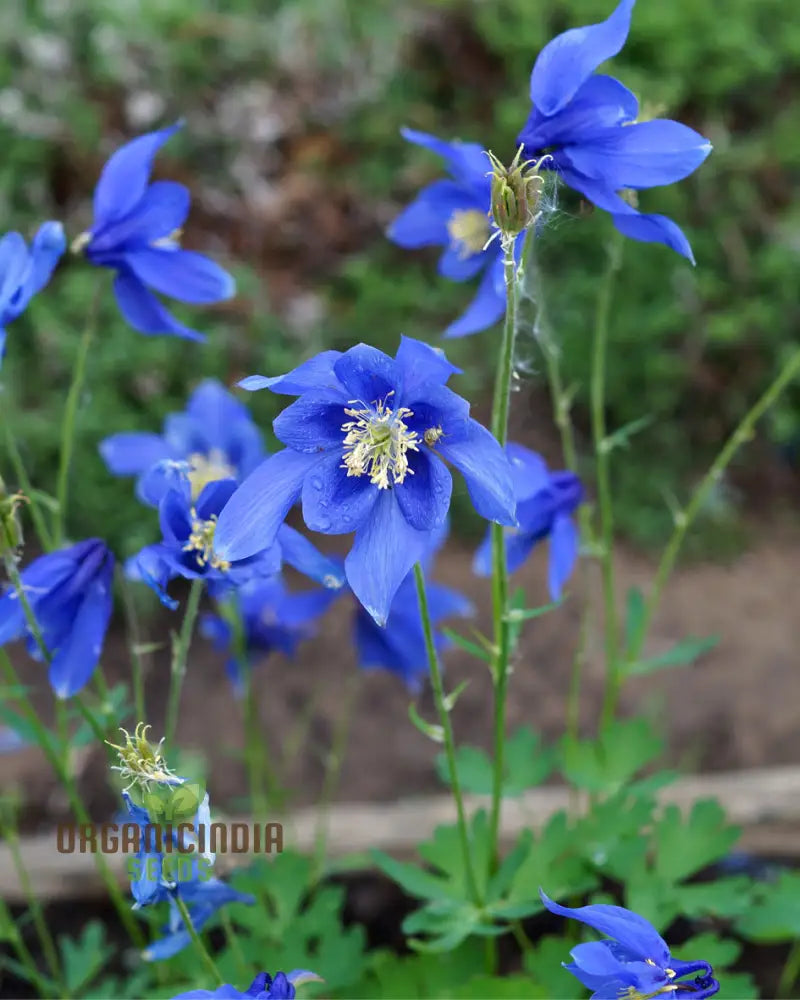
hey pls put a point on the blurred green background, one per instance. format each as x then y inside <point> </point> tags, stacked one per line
<point>295,161</point>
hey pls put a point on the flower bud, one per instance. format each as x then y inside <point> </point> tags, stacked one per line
<point>515,193</point>
<point>10,525</point>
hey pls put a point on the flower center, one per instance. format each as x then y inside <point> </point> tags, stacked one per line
<point>171,242</point>
<point>205,469</point>
<point>469,231</point>
<point>376,442</point>
<point>201,541</point>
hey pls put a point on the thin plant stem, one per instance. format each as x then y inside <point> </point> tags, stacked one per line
<point>602,455</point>
<point>232,939</point>
<point>790,971</point>
<point>26,960</point>
<point>70,415</point>
<point>202,951</point>
<point>40,526</point>
<point>34,905</point>
<point>134,642</point>
<point>179,657</point>
<point>333,772</point>
<point>683,522</point>
<point>502,635</point>
<point>60,768</point>
<point>447,732</point>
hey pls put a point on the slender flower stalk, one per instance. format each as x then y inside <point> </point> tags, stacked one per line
<point>39,523</point>
<point>11,837</point>
<point>62,772</point>
<point>499,427</point>
<point>26,959</point>
<point>601,449</point>
<point>742,434</point>
<point>447,731</point>
<point>70,416</point>
<point>179,658</point>
<point>202,951</point>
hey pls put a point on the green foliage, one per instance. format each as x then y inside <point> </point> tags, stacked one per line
<point>527,764</point>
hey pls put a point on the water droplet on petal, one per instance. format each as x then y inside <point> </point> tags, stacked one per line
<point>316,482</point>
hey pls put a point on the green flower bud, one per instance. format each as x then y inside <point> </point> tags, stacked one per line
<point>10,525</point>
<point>515,193</point>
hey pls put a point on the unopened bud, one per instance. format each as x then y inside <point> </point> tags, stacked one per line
<point>515,193</point>
<point>10,524</point>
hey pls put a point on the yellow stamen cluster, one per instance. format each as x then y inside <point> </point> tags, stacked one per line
<point>376,442</point>
<point>140,761</point>
<point>205,469</point>
<point>201,541</point>
<point>469,231</point>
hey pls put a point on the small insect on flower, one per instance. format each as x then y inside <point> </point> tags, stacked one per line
<point>140,762</point>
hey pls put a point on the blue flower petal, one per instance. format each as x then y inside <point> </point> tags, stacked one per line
<point>213,497</point>
<point>298,551</point>
<point>333,502</point>
<point>485,468</point>
<point>424,495</point>
<point>144,312</point>
<point>640,156</point>
<point>173,515</point>
<point>424,222</point>
<point>47,247</point>
<point>654,229</point>
<point>250,520</point>
<point>161,211</point>
<point>628,928</point>
<point>156,481</point>
<point>421,364</point>
<point>316,373</point>
<point>529,471</point>
<point>13,268</point>
<point>597,959</point>
<point>386,547</point>
<point>74,663</point>
<point>487,308</point>
<point>367,374</point>
<point>131,453</point>
<point>564,63</point>
<point>601,102</point>
<point>314,422</point>
<point>181,274</point>
<point>457,267</point>
<point>124,178</point>
<point>467,161</point>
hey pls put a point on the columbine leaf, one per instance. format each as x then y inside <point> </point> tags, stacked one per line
<point>775,913</point>
<point>526,765</point>
<point>85,957</point>
<point>685,845</point>
<point>608,763</point>
<point>415,881</point>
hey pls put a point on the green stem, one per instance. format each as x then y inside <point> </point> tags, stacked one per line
<point>179,658</point>
<point>502,635</point>
<point>134,640</point>
<point>44,740</point>
<point>11,933</point>
<point>790,971</point>
<point>203,952</point>
<point>70,414</point>
<point>34,905</point>
<point>42,531</point>
<point>232,939</point>
<point>333,772</point>
<point>684,522</point>
<point>447,731</point>
<point>601,450</point>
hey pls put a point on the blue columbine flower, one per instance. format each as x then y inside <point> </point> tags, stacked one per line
<point>273,619</point>
<point>24,272</point>
<point>154,883</point>
<point>456,214</point>
<point>400,645</point>
<point>136,232</point>
<point>263,987</point>
<point>587,123</point>
<point>545,503</point>
<point>188,527</point>
<point>635,962</point>
<point>215,436</point>
<point>70,595</point>
<point>365,443</point>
